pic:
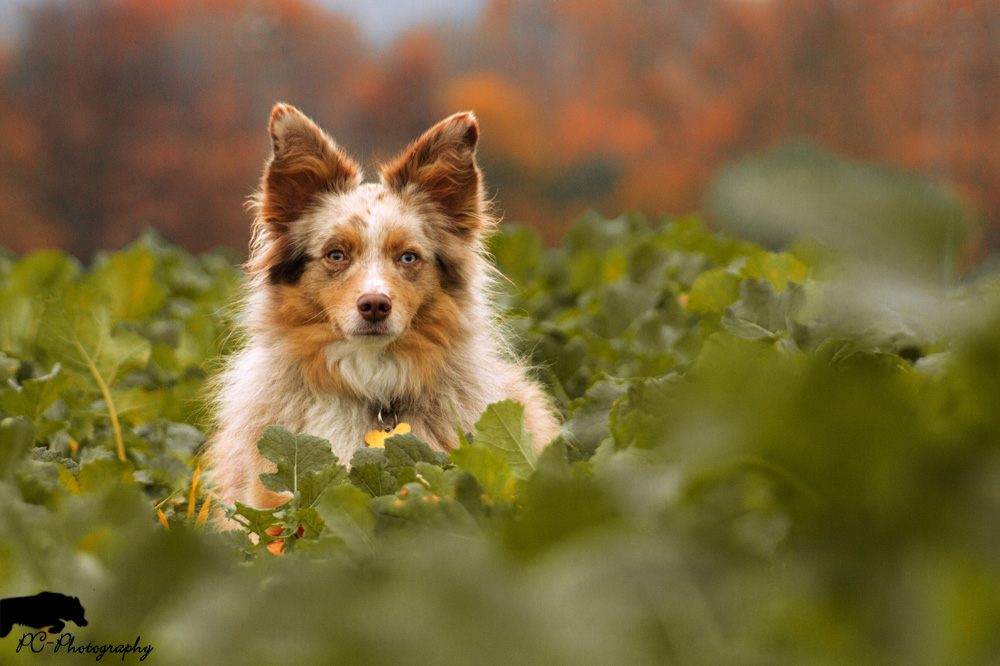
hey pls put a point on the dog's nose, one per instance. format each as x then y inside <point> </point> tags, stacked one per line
<point>374,307</point>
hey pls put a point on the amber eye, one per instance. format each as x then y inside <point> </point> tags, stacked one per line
<point>336,255</point>
<point>408,258</point>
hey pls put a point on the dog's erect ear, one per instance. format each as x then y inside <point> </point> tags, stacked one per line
<point>306,163</point>
<point>442,165</point>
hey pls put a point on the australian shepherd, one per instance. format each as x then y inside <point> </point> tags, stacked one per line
<point>366,305</point>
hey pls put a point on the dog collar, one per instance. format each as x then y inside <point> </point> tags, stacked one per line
<point>387,415</point>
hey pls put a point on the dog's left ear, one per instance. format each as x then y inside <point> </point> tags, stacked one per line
<point>442,165</point>
<point>305,163</point>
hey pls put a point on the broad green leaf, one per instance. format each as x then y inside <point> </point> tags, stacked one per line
<point>620,303</point>
<point>137,405</point>
<point>32,280</point>
<point>129,283</point>
<point>688,234</point>
<point>34,396</point>
<point>104,473</point>
<point>554,458</point>
<point>311,525</point>
<point>8,368</point>
<point>746,329</point>
<point>489,468</point>
<point>588,422</point>
<point>17,435</point>
<point>39,482</point>
<point>369,472</point>
<point>713,291</point>
<point>435,479</point>
<point>762,313</point>
<point>518,252</point>
<point>778,269</point>
<point>558,508</point>
<point>638,417</point>
<point>346,511</point>
<point>77,331</point>
<point>877,216</point>
<point>416,506</point>
<point>295,456</point>
<point>501,429</point>
<point>256,520</point>
<point>402,451</point>
<point>313,483</point>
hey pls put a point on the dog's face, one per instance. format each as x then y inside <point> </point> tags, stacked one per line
<point>375,263</point>
<point>386,265</point>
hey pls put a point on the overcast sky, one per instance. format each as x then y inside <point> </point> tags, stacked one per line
<point>380,20</point>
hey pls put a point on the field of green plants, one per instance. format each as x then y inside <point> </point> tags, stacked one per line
<point>764,461</point>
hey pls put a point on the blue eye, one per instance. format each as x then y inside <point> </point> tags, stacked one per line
<point>336,255</point>
<point>408,258</point>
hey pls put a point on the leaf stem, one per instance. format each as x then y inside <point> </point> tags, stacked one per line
<point>106,392</point>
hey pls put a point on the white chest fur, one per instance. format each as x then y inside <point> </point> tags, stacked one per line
<point>370,370</point>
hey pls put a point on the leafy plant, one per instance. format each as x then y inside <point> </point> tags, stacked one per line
<point>745,475</point>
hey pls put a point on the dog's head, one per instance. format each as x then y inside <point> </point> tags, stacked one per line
<point>389,265</point>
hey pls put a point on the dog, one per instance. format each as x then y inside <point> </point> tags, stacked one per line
<point>366,304</point>
<point>45,609</point>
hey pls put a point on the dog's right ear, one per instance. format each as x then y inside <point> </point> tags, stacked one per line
<point>442,165</point>
<point>306,164</point>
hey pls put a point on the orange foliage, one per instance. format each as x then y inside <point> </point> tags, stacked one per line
<point>513,127</point>
<point>121,114</point>
<point>586,129</point>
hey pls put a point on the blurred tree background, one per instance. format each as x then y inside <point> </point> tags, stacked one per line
<point>117,115</point>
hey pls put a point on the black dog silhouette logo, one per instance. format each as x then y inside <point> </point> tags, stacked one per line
<point>46,609</point>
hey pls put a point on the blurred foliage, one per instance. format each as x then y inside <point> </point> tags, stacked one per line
<point>743,478</point>
<point>874,215</point>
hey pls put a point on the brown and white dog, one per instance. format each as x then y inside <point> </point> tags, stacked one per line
<point>366,303</point>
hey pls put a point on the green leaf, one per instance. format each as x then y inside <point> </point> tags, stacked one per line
<point>105,472</point>
<point>137,405</point>
<point>558,509</point>
<point>77,331</point>
<point>128,282</point>
<point>490,470</point>
<point>9,367</point>
<point>437,480</point>
<point>762,313</point>
<point>32,280</point>
<point>42,454</point>
<point>421,508</point>
<point>518,252</point>
<point>501,429</point>
<point>17,436</point>
<point>313,483</point>
<point>403,451</point>
<point>256,520</point>
<point>554,458</point>
<point>713,291</point>
<point>369,472</point>
<point>296,456</point>
<point>33,396</point>
<point>638,418</point>
<point>346,512</point>
<point>622,302</point>
<point>588,422</point>
<point>39,481</point>
<point>778,269</point>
